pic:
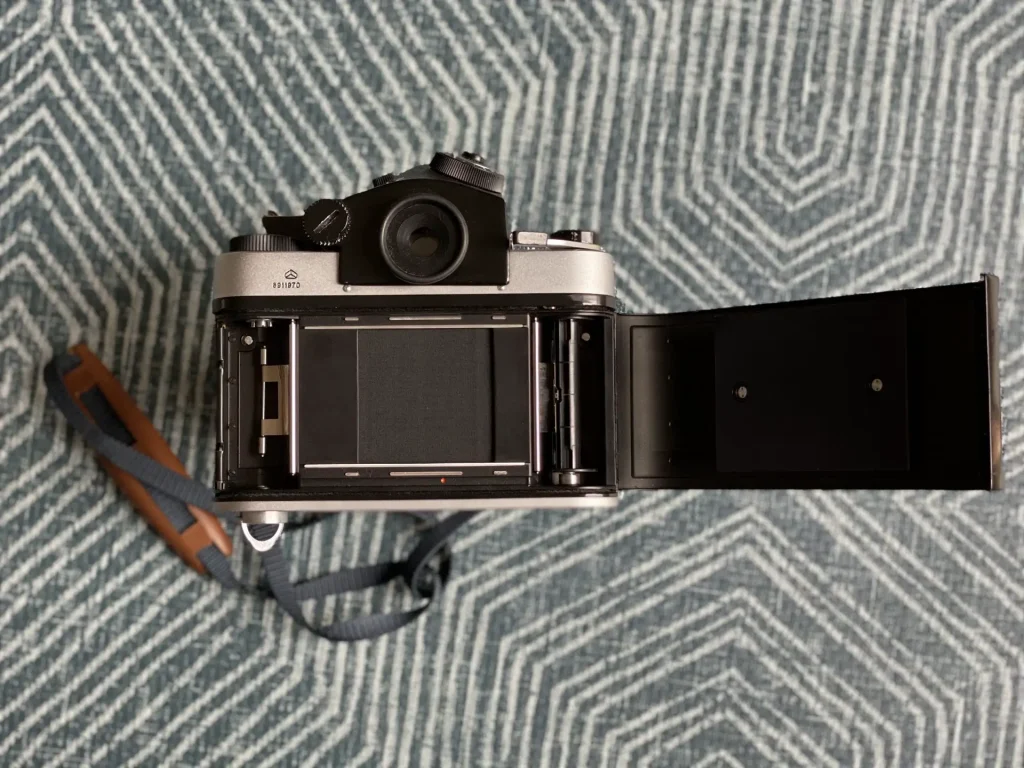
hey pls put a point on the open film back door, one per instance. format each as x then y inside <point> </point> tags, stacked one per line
<point>885,390</point>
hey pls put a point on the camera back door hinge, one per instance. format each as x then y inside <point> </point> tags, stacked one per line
<point>885,390</point>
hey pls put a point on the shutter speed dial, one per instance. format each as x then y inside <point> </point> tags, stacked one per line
<point>469,168</point>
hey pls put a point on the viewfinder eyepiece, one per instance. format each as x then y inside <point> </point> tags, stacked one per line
<point>423,239</point>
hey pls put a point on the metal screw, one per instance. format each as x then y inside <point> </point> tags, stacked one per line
<point>247,341</point>
<point>585,337</point>
<point>740,392</point>
<point>347,288</point>
<point>876,385</point>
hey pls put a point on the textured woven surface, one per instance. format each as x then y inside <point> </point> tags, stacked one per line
<point>730,152</point>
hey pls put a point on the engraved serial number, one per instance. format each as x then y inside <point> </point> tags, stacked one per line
<point>287,284</point>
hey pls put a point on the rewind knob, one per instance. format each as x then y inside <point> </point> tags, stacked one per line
<point>326,222</point>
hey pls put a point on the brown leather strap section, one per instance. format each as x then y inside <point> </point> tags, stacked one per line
<point>207,530</point>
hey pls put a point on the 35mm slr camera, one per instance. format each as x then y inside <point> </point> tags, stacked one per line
<point>399,350</point>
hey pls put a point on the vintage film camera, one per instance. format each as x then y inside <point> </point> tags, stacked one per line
<point>399,350</point>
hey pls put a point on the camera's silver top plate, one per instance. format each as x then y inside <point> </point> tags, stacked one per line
<point>573,270</point>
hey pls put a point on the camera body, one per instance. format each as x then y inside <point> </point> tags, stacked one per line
<point>399,350</point>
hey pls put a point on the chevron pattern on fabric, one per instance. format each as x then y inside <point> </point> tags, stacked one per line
<point>730,152</point>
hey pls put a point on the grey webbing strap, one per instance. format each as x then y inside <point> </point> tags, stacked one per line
<point>173,492</point>
<point>219,567</point>
<point>177,512</point>
<point>349,580</point>
<point>423,578</point>
<point>150,473</point>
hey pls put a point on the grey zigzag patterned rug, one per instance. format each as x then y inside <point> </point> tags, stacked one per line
<point>730,153</point>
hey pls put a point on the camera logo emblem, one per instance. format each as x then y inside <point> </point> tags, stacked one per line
<point>291,280</point>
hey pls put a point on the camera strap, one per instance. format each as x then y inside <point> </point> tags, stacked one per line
<point>145,468</point>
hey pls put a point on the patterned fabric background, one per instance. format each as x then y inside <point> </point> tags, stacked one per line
<point>730,153</point>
